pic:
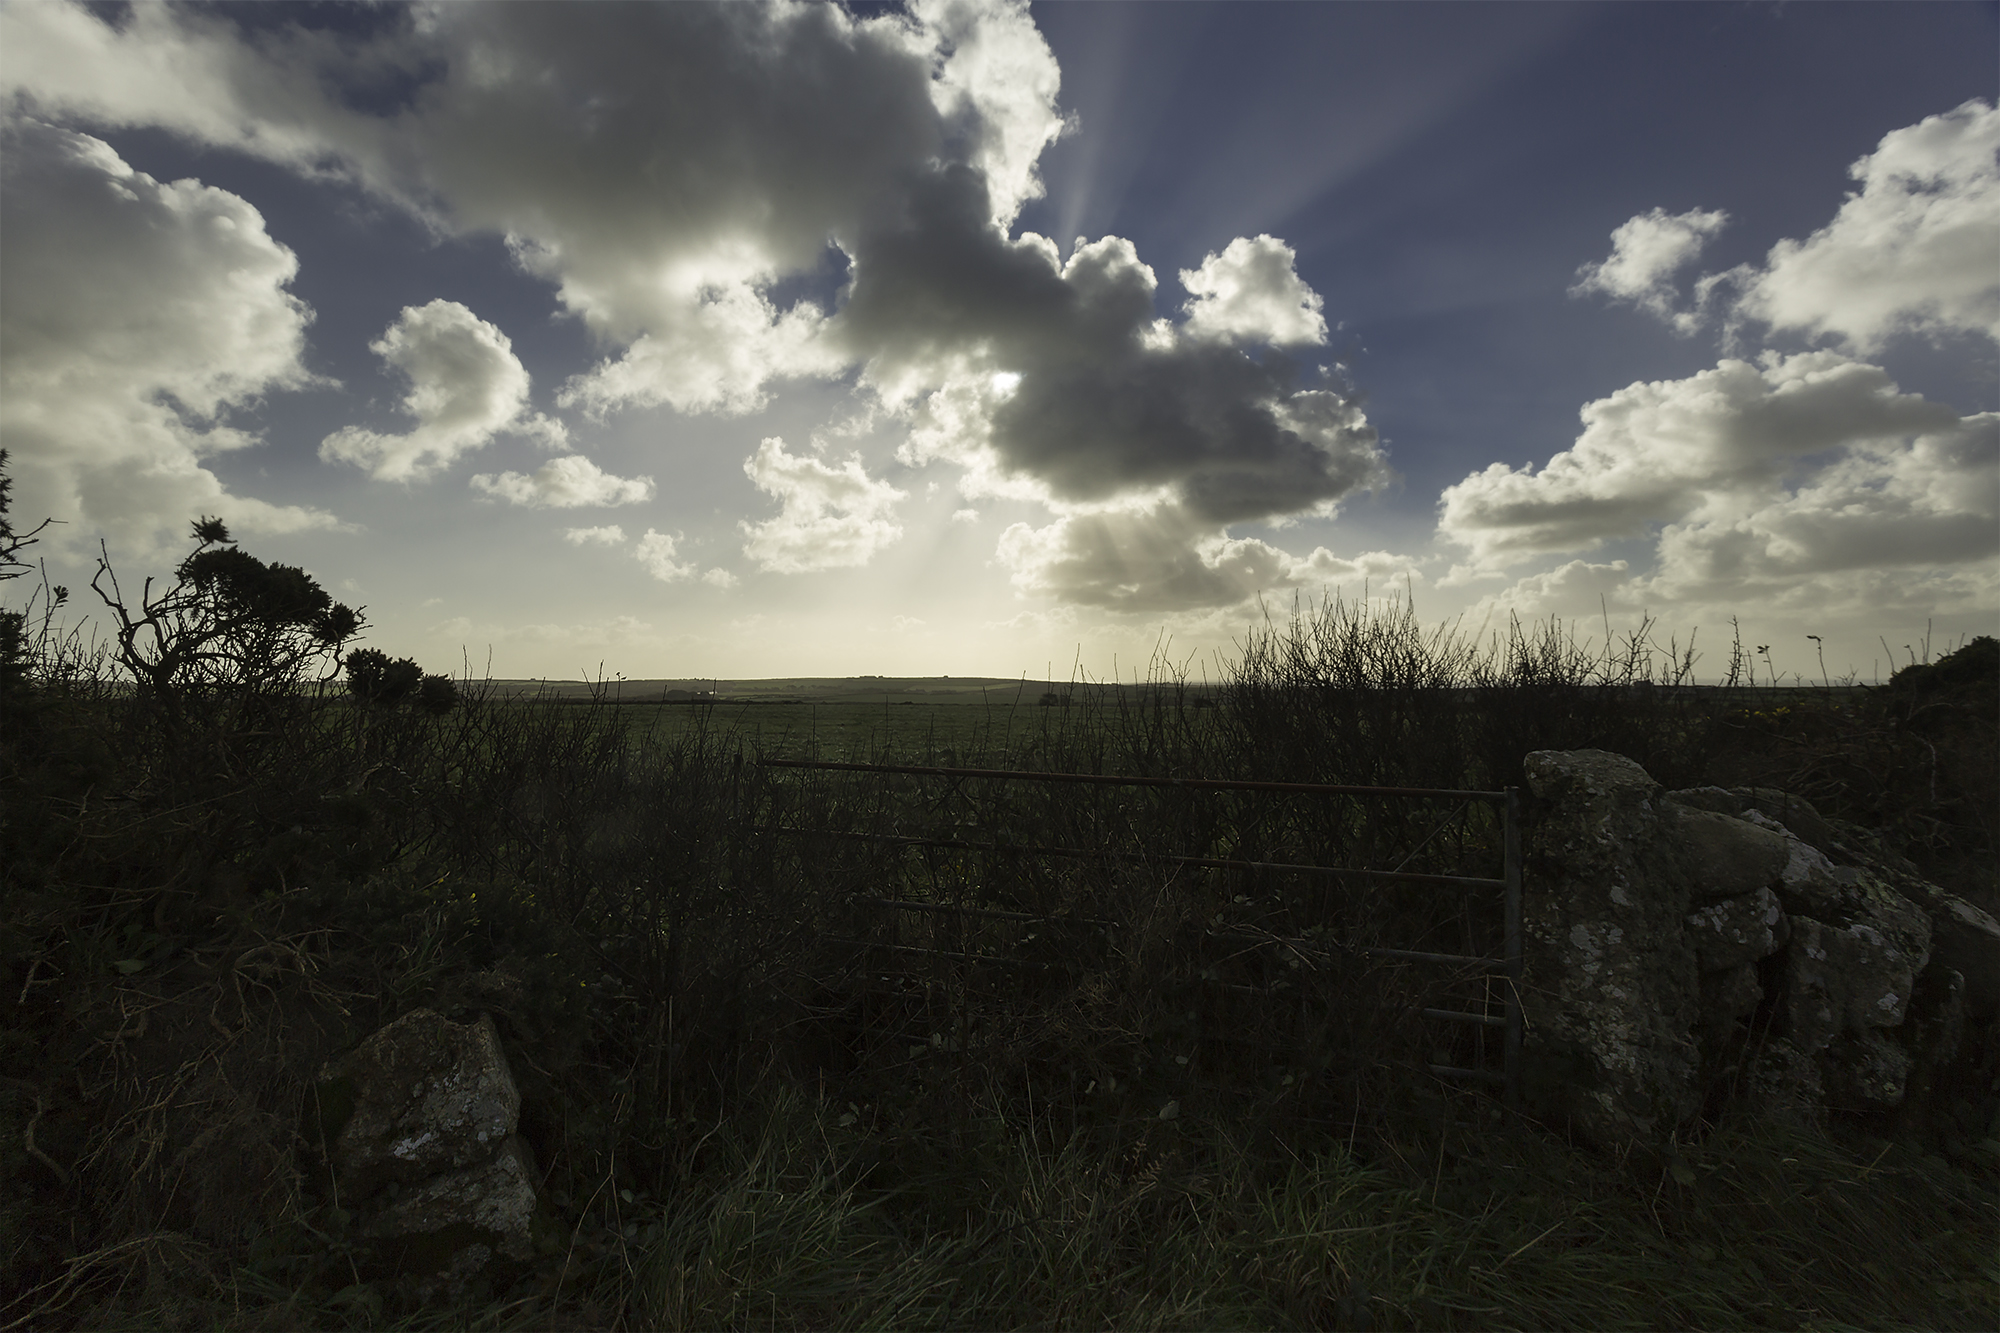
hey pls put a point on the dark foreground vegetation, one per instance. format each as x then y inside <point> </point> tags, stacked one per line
<point>222,869</point>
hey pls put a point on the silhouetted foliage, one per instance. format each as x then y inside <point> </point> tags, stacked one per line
<point>229,622</point>
<point>374,678</point>
<point>1966,678</point>
<point>11,542</point>
<point>16,650</point>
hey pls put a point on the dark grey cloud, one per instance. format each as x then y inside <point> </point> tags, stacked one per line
<point>668,167</point>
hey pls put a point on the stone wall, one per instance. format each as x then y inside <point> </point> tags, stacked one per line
<point>421,1122</point>
<point>1681,945</point>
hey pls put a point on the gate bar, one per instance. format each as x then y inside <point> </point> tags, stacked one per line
<point>940,953</point>
<point>1481,1075</point>
<point>1510,964</point>
<point>1085,853</point>
<point>1112,780</point>
<point>904,904</point>
<point>1460,1016</point>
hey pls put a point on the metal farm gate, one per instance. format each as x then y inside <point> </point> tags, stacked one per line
<point>899,936</point>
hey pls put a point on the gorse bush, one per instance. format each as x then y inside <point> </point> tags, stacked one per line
<point>229,623</point>
<point>237,844</point>
<point>373,678</point>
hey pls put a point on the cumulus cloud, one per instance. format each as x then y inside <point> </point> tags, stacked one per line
<point>831,516</point>
<point>570,482</point>
<point>1720,573</point>
<point>1165,558</point>
<point>1910,252</point>
<point>1646,252</point>
<point>667,167</point>
<point>1807,486</point>
<point>1929,502</point>
<point>1057,373</point>
<point>1659,452</point>
<point>733,196</point>
<point>138,313</point>
<point>608,535</point>
<point>466,386</point>
<point>1148,440</point>
<point>656,552</point>
<point>193,73</point>
<point>719,356</point>
<point>1252,293</point>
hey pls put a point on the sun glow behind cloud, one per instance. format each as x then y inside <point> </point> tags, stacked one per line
<point>791,222</point>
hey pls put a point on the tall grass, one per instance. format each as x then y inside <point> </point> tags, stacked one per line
<point>1365,694</point>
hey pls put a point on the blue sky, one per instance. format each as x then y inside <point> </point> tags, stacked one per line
<point>972,338</point>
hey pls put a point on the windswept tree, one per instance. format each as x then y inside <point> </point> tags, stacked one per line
<point>228,623</point>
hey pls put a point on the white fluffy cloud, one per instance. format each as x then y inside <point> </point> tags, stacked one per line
<point>1252,293</point>
<point>659,551</point>
<point>466,386</point>
<point>570,482</point>
<point>1928,503</point>
<point>608,535</point>
<point>1912,251</point>
<point>190,72</point>
<point>831,516</point>
<point>718,356</point>
<point>1715,444</point>
<point>1915,250</point>
<point>137,314</point>
<point>1807,489</point>
<point>656,552</point>
<point>1646,252</point>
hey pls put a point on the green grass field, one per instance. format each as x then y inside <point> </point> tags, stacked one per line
<point>850,731</point>
<point>937,718</point>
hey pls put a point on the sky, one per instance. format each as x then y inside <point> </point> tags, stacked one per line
<point>978,338</point>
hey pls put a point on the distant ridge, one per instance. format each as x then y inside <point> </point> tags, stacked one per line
<point>789,689</point>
